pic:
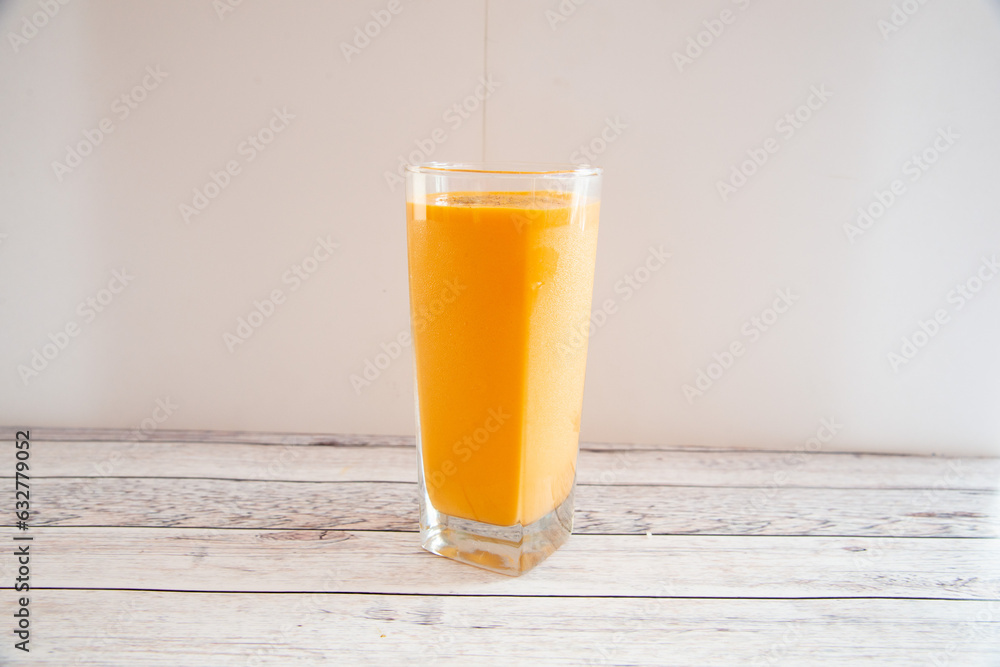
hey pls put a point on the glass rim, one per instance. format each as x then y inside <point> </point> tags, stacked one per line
<point>517,169</point>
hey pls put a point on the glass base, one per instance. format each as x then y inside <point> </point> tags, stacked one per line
<point>511,550</point>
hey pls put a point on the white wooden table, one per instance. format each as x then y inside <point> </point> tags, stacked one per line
<point>195,548</point>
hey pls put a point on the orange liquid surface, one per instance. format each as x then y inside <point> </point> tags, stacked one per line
<point>500,293</point>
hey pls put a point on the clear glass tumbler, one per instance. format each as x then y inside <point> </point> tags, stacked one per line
<point>501,266</point>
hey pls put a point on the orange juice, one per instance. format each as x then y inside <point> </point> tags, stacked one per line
<point>500,292</point>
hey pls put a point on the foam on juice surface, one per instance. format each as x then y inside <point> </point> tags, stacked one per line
<point>540,200</point>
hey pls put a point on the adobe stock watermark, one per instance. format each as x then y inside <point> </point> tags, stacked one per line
<point>928,329</point>
<point>790,636</point>
<point>163,409</point>
<point>465,448</point>
<point>223,7</point>
<point>752,330</point>
<point>248,149</point>
<point>562,13</point>
<point>929,502</point>
<point>537,211</point>
<point>982,627</point>
<point>913,169</point>
<point>713,28</point>
<point>622,462</point>
<point>454,116</point>
<point>303,612</point>
<point>626,286</point>
<point>30,25</point>
<point>589,152</point>
<point>363,35</point>
<point>825,433</point>
<point>647,616</point>
<point>122,108</point>
<point>88,310</point>
<point>585,154</point>
<point>391,349</point>
<point>295,276</point>
<point>900,15</point>
<point>278,462</point>
<point>786,128</point>
<point>113,626</point>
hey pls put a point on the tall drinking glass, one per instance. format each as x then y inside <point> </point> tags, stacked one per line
<point>501,262</point>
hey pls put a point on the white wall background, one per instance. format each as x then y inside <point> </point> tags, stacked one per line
<point>559,85</point>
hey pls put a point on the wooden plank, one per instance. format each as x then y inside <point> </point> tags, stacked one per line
<point>126,435</point>
<point>192,503</point>
<point>74,434</point>
<point>176,629</point>
<point>398,464</point>
<point>588,565</point>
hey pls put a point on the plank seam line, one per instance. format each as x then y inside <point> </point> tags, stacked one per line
<point>515,595</point>
<point>590,447</point>
<point>587,534</point>
<point>992,491</point>
<point>580,535</point>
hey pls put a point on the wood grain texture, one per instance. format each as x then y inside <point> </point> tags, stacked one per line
<point>615,509</point>
<point>123,628</point>
<point>45,434</point>
<point>348,463</point>
<point>273,549</point>
<point>588,565</point>
<point>49,434</point>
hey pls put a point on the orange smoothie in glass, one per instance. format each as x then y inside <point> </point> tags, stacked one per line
<point>500,293</point>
